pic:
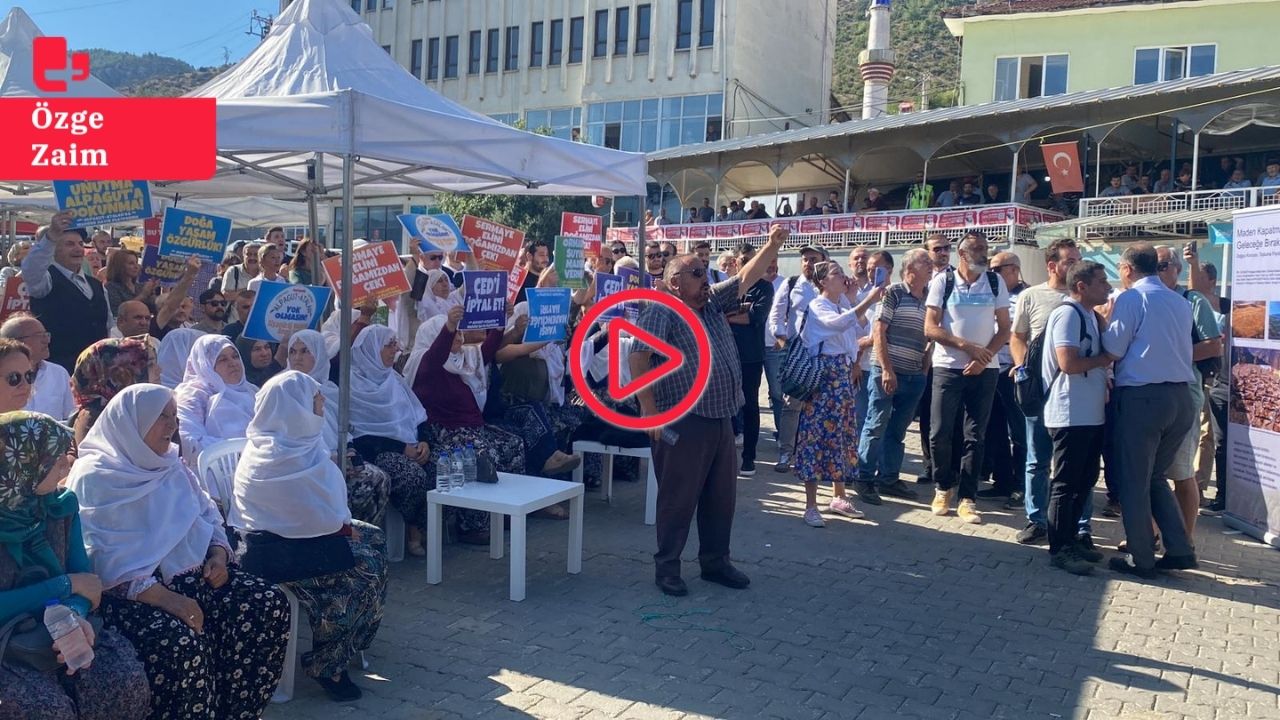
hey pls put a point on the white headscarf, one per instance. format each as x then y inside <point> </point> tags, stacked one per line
<point>139,511</point>
<point>314,343</point>
<point>467,363</point>
<point>230,407</point>
<point>285,482</point>
<point>381,405</point>
<point>552,354</point>
<point>430,305</point>
<point>173,354</point>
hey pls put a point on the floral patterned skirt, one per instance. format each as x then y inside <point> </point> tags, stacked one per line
<point>826,448</point>
<point>113,687</point>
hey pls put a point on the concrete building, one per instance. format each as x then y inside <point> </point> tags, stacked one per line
<point>1030,48</point>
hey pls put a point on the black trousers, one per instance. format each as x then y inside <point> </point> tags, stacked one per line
<point>1110,476</point>
<point>924,413</point>
<point>751,375</point>
<point>696,476</point>
<point>960,398</point>
<point>1077,457</point>
<point>1005,459</point>
<point>1218,397</point>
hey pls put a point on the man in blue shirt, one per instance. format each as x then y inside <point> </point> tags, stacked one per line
<point>1149,336</point>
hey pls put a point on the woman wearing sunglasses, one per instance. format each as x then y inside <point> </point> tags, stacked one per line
<point>16,375</point>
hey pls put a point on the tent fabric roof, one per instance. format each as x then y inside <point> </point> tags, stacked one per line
<point>16,35</point>
<point>320,82</point>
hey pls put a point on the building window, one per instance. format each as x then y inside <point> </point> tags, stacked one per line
<point>1173,63</point>
<point>356,5</point>
<point>494,52</point>
<point>370,5</point>
<point>415,58</point>
<point>535,45</point>
<point>1030,76</point>
<point>707,24</point>
<point>621,30</point>
<point>372,222</point>
<point>600,38</point>
<point>576,28</point>
<point>475,53</point>
<point>513,49</point>
<point>433,58</point>
<point>654,124</point>
<point>557,42</point>
<point>562,122</point>
<point>684,24</point>
<point>644,14</point>
<point>388,4</point>
<point>451,56</point>
<point>506,118</point>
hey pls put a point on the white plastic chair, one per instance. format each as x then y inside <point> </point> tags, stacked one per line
<point>216,470</point>
<point>284,690</point>
<point>394,529</point>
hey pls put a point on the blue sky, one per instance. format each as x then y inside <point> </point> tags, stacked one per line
<point>191,30</point>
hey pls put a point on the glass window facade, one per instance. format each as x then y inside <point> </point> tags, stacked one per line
<point>562,122</point>
<point>475,52</point>
<point>655,123</point>
<point>513,49</point>
<point>556,49</point>
<point>371,222</point>
<point>644,20</point>
<point>433,58</point>
<point>600,35</point>
<point>1173,63</point>
<point>707,24</point>
<point>415,58</point>
<point>577,26</point>
<point>535,45</point>
<point>1030,76</point>
<point>451,56</point>
<point>621,30</point>
<point>684,24</point>
<point>493,51</point>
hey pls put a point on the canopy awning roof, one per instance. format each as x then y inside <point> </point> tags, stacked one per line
<point>16,35</point>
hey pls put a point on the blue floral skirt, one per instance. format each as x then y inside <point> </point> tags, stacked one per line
<point>826,446</point>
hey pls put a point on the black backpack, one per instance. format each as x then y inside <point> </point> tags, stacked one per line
<point>1029,387</point>
<point>1209,367</point>
<point>992,278</point>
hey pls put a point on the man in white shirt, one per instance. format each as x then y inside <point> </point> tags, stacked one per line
<point>1074,372</point>
<point>271,258</point>
<point>791,300</point>
<point>51,393</point>
<point>72,306</point>
<point>967,318</point>
<point>237,277</point>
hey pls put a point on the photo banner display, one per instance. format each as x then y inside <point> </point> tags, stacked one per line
<point>548,314</point>
<point>282,309</point>
<point>103,202</point>
<point>376,273</point>
<point>1253,412</point>
<point>184,233</point>
<point>484,303</point>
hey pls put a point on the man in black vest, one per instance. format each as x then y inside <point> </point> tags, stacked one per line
<point>71,305</point>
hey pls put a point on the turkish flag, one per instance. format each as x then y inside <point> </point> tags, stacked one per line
<point>1062,161</point>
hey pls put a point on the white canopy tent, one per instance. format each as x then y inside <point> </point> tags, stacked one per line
<point>319,99</point>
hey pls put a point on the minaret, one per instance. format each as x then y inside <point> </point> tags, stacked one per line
<point>876,63</point>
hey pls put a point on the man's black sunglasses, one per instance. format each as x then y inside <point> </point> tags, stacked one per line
<point>15,378</point>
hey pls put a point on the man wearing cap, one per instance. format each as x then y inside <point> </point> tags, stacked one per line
<point>789,302</point>
<point>72,306</point>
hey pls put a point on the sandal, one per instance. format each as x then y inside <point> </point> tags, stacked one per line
<point>560,463</point>
<point>555,512</point>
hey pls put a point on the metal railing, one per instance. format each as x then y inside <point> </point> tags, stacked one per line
<point>1233,199</point>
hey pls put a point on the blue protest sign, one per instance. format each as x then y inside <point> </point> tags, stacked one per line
<point>607,285</point>
<point>633,279</point>
<point>548,314</point>
<point>103,202</point>
<point>186,233</point>
<point>484,303</point>
<point>281,309</point>
<point>434,232</point>
<point>1220,233</point>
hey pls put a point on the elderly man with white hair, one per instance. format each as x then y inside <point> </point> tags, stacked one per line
<point>51,393</point>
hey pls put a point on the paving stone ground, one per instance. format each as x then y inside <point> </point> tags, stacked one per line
<point>900,615</point>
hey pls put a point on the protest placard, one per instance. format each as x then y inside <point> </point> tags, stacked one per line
<point>15,298</point>
<point>186,233</point>
<point>583,225</point>
<point>548,314</point>
<point>434,232</point>
<point>570,262</point>
<point>164,270</point>
<point>515,281</point>
<point>280,309</point>
<point>103,202</point>
<point>484,304</point>
<point>606,285</point>
<point>494,246</point>
<point>376,273</point>
<point>633,279</point>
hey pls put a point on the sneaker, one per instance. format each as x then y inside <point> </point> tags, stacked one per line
<point>968,512</point>
<point>1214,508</point>
<point>867,491</point>
<point>992,494</point>
<point>842,506</point>
<point>1067,559</point>
<point>941,504</point>
<point>1032,534</point>
<point>924,480</point>
<point>737,440</point>
<point>900,489</point>
<point>1086,549</point>
<point>1112,510</point>
<point>1016,501</point>
<point>1177,562</point>
<point>813,518</point>
<point>784,463</point>
<point>748,468</point>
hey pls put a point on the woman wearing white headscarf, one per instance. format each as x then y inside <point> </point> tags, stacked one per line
<point>215,402</point>
<point>290,504</point>
<point>175,348</point>
<point>440,296</point>
<point>385,420</point>
<point>368,487</point>
<point>212,636</point>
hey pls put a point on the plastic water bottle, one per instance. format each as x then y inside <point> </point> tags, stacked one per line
<point>459,474</point>
<point>444,473</point>
<point>469,464</point>
<point>68,636</point>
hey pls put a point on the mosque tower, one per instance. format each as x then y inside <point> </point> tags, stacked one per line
<point>876,63</point>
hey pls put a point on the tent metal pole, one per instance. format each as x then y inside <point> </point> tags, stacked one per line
<point>845,197</point>
<point>344,313</point>
<point>1195,161</point>
<point>1013,177</point>
<point>313,219</point>
<point>640,200</point>
<point>1097,173</point>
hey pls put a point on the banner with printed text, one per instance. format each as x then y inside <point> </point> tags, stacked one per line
<point>606,285</point>
<point>548,314</point>
<point>282,309</point>
<point>376,273</point>
<point>494,246</point>
<point>484,302</point>
<point>103,202</point>
<point>184,233</point>
<point>15,299</point>
<point>1253,412</point>
<point>571,262</point>
<point>434,232</point>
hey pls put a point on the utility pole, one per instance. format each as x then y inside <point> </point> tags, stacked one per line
<point>924,91</point>
<point>259,26</point>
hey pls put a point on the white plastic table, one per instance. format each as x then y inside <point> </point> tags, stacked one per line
<point>515,496</point>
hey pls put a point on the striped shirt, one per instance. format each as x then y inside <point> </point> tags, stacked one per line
<point>904,315</point>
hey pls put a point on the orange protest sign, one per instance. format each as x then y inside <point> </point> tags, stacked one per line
<point>495,246</point>
<point>376,273</point>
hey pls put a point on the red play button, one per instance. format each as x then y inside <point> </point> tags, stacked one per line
<point>674,360</point>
